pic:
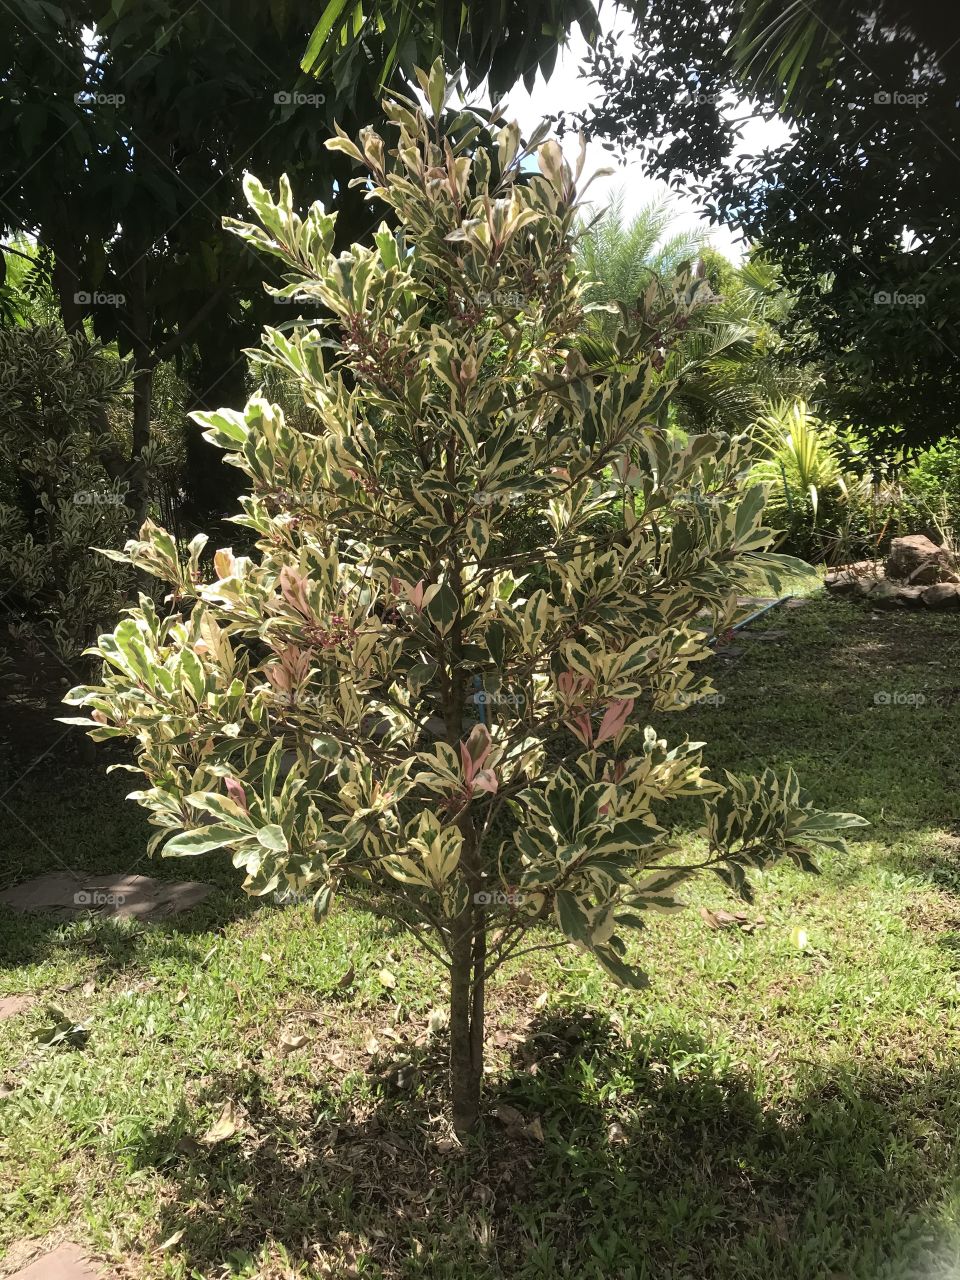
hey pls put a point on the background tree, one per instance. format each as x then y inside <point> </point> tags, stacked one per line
<point>733,362</point>
<point>858,208</point>
<point>362,47</point>
<point>623,256</point>
<point>308,708</point>
<point>129,126</point>
<point>57,497</point>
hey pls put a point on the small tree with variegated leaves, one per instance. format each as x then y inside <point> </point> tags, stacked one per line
<point>388,702</point>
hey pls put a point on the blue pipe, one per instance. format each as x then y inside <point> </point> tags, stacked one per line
<point>753,616</point>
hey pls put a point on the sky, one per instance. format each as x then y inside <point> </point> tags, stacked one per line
<point>567,90</point>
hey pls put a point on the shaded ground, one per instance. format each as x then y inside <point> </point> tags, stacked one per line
<point>779,1106</point>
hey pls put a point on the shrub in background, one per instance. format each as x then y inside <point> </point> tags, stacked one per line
<point>309,709</point>
<point>61,487</point>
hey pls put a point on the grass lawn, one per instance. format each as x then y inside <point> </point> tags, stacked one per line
<point>782,1104</point>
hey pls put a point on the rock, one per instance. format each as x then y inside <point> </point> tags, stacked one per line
<point>885,595</point>
<point>840,584</point>
<point>942,595</point>
<point>66,1263</point>
<point>915,558</point>
<point>70,894</point>
<point>850,578</point>
<point>873,587</point>
<point>929,572</point>
<point>912,597</point>
<point>10,1006</point>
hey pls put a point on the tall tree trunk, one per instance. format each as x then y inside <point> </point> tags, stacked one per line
<point>142,399</point>
<point>466,1021</point>
<point>66,280</point>
<point>140,323</point>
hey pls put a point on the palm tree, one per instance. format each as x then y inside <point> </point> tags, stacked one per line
<point>787,49</point>
<point>730,365</point>
<point>622,258</point>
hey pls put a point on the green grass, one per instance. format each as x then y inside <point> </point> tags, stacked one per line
<point>766,1111</point>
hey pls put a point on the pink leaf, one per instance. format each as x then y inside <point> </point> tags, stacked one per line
<point>614,719</point>
<point>478,744</point>
<point>236,792</point>
<point>581,725</point>
<point>414,594</point>
<point>293,587</point>
<point>570,684</point>
<point>485,780</point>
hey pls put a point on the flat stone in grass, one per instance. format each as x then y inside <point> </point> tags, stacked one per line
<point>10,1006</point>
<point>66,1263</point>
<point>68,894</point>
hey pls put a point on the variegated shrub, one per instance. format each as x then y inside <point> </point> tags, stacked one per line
<point>388,701</point>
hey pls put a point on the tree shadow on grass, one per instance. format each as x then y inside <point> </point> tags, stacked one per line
<point>57,818</point>
<point>597,1159</point>
<point>114,944</point>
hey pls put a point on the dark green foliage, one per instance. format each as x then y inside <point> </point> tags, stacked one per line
<point>870,158</point>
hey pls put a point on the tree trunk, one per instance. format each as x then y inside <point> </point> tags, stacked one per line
<point>142,397</point>
<point>466,1022</point>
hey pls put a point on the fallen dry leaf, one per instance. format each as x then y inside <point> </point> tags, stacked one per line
<point>509,1116</point>
<point>224,1127</point>
<point>372,1046</point>
<point>172,1240</point>
<point>348,977</point>
<point>719,919</point>
<point>436,1021</point>
<point>289,1043</point>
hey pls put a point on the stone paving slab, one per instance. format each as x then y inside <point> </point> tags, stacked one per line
<point>10,1006</point>
<point>66,1263</point>
<point>71,894</point>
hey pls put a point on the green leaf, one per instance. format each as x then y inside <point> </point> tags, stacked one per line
<point>420,675</point>
<point>272,838</point>
<point>441,608</point>
<point>322,903</point>
<point>328,19</point>
<point>627,975</point>
<point>203,840</point>
<point>571,916</point>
